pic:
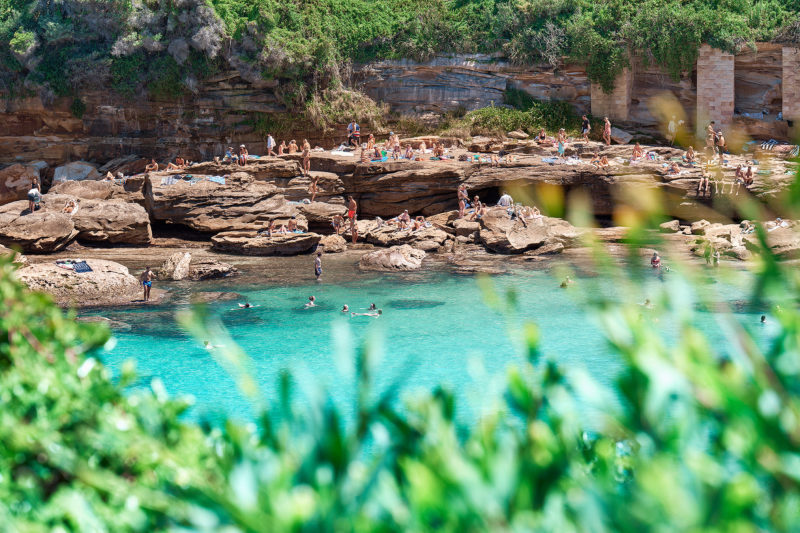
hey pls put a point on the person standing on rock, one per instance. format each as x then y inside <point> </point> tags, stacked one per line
<point>34,196</point>
<point>318,265</point>
<point>313,188</point>
<point>463,197</point>
<point>270,144</point>
<point>147,283</point>
<point>306,158</point>
<point>586,127</point>
<point>352,208</point>
<point>607,131</point>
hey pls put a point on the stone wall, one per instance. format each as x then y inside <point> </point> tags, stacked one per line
<point>791,83</point>
<point>616,104</point>
<point>715,87</point>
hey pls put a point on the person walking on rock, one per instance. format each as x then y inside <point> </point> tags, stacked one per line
<point>586,127</point>
<point>270,144</point>
<point>318,266</point>
<point>147,283</point>
<point>607,131</point>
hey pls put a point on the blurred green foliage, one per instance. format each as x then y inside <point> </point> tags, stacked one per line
<point>691,437</point>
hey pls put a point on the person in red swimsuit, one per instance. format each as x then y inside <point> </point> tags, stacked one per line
<point>352,207</point>
<point>655,261</point>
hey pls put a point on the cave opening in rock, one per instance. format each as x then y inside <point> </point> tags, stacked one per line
<point>167,230</point>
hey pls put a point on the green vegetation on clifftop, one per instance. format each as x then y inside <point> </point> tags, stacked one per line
<point>167,46</point>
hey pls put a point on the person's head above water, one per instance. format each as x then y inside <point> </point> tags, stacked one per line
<point>372,306</point>
<point>311,298</point>
<point>345,308</point>
<point>763,319</point>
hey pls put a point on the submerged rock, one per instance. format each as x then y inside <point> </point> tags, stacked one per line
<point>403,257</point>
<point>249,243</point>
<point>210,269</point>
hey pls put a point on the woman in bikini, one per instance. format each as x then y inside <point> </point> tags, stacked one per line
<point>542,137</point>
<point>306,157</point>
<point>292,146</point>
<point>463,197</point>
<point>282,148</point>
<point>638,153</point>
<point>313,188</point>
<point>243,156</point>
<point>607,131</point>
<point>690,156</point>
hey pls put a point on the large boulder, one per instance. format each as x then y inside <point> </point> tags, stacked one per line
<point>333,244</point>
<point>403,257</point>
<point>112,221</point>
<point>109,283</point>
<point>15,182</point>
<point>42,231</point>
<point>15,256</point>
<point>203,269</point>
<point>211,207</point>
<point>250,243</point>
<point>426,239</point>
<point>501,234</point>
<point>176,267</point>
<point>76,171</point>
<point>132,190</point>
<point>266,169</point>
<point>784,242</point>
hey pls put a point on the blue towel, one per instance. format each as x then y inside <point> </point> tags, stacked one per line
<point>81,267</point>
<point>168,180</point>
<point>217,179</point>
<point>549,159</point>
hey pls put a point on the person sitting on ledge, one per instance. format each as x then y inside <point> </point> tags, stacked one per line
<point>638,153</point>
<point>292,146</point>
<point>419,223</point>
<point>70,207</point>
<point>604,162</point>
<point>438,150</point>
<point>596,161</point>
<point>479,210</point>
<point>505,200</point>
<point>404,220</point>
<point>292,225</point>
<point>690,157</point>
<point>422,147</point>
<point>152,166</point>
<point>409,152</point>
<point>243,155</point>
<point>282,148</point>
<point>365,156</point>
<point>179,164</point>
<point>673,169</point>
<point>542,137</point>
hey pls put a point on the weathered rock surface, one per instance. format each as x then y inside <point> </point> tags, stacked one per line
<point>210,207</point>
<point>76,171</point>
<point>39,232</point>
<point>203,269</point>
<point>402,257</point>
<point>502,235</point>
<point>672,226</point>
<point>333,244</point>
<point>426,239</point>
<point>112,221</point>
<point>784,242</point>
<point>175,268</point>
<point>15,182</point>
<point>109,283</point>
<point>249,243</point>
<point>16,257</point>
<point>132,190</point>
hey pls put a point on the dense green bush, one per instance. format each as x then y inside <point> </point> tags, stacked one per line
<point>308,42</point>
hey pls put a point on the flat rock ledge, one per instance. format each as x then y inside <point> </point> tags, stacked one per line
<point>250,243</point>
<point>403,257</point>
<point>109,284</point>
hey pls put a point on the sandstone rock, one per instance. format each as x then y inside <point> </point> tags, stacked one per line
<point>112,221</point>
<point>211,207</point>
<point>426,239</point>
<point>320,214</point>
<point>203,269</point>
<point>673,226</point>
<point>699,227</point>
<point>784,243</point>
<point>132,190</point>
<point>176,267</point>
<point>39,232</point>
<point>517,134</point>
<point>249,243</point>
<point>502,235</point>
<point>15,182</point>
<point>332,244</point>
<point>109,283</point>
<point>16,257</point>
<point>268,168</point>
<point>466,228</point>
<point>76,171</point>
<point>209,297</point>
<point>619,136</point>
<point>403,257</point>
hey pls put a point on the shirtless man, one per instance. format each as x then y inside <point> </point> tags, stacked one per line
<point>586,127</point>
<point>311,302</point>
<point>607,131</point>
<point>352,212</point>
<point>147,283</point>
<point>152,166</point>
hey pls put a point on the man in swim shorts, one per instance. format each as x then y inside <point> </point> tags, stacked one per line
<point>352,208</point>
<point>586,127</point>
<point>318,265</point>
<point>147,283</point>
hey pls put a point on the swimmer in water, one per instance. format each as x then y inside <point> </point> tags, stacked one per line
<point>311,302</point>
<point>345,309</point>
<point>374,314</point>
<point>647,304</point>
<point>373,307</point>
<point>566,283</point>
<point>245,306</point>
<point>208,346</point>
<point>763,319</point>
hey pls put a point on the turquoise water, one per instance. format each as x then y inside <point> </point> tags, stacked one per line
<point>436,328</point>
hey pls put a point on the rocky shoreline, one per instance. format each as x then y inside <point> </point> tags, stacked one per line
<point>225,208</point>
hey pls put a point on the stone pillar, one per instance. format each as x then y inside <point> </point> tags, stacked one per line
<point>615,105</point>
<point>715,88</point>
<point>791,83</point>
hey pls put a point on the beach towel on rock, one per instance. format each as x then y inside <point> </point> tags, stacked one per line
<point>168,180</point>
<point>81,266</point>
<point>217,179</point>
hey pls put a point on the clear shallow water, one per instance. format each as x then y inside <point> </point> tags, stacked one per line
<point>436,328</point>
